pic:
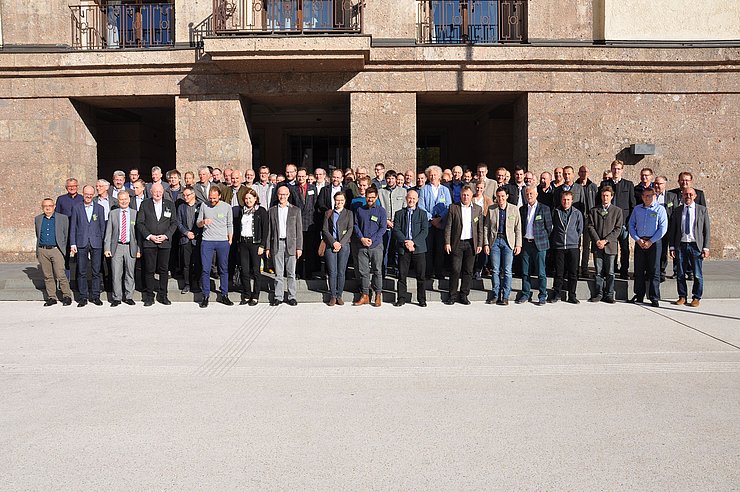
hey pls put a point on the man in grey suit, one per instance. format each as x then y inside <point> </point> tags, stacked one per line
<point>121,247</point>
<point>52,232</point>
<point>690,245</point>
<point>284,244</point>
<point>605,223</point>
<point>670,202</point>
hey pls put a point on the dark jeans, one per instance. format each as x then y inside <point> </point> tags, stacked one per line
<point>566,266</point>
<point>647,268</point>
<point>689,258</point>
<point>435,253</point>
<point>604,273</point>
<point>309,262</point>
<point>419,261</point>
<point>155,260</point>
<point>207,250</point>
<point>336,269</point>
<point>463,260</point>
<point>190,262</point>
<point>93,257</point>
<point>250,262</point>
<point>533,261</point>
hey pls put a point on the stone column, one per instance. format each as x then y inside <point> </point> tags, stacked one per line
<point>211,130</point>
<point>383,129</point>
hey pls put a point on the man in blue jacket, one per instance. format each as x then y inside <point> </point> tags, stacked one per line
<point>435,200</point>
<point>86,232</point>
<point>370,226</point>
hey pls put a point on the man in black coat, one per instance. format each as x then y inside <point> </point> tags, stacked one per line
<point>624,198</point>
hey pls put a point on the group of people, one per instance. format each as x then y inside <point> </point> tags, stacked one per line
<point>452,223</point>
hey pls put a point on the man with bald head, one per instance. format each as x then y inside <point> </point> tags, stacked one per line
<point>156,224</point>
<point>410,229</point>
<point>86,233</point>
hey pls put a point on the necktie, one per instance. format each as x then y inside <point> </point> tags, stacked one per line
<point>408,232</point>
<point>124,227</point>
<point>687,223</point>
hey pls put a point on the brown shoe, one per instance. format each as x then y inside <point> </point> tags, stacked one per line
<point>340,301</point>
<point>694,302</point>
<point>364,299</point>
<point>378,300</point>
<point>332,301</point>
<point>680,302</point>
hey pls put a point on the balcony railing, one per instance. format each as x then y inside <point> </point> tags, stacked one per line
<point>113,24</point>
<point>240,17</point>
<point>471,21</point>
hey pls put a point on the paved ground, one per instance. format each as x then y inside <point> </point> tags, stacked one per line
<point>559,397</point>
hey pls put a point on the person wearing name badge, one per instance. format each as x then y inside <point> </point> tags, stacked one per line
<point>336,232</point>
<point>670,202</point>
<point>567,229</point>
<point>52,231</point>
<point>605,221</point>
<point>86,232</point>
<point>690,245</point>
<point>647,226</point>
<point>435,200</point>
<point>410,229</point>
<point>463,237</point>
<point>122,248</point>
<point>217,221</point>
<point>502,240</point>
<point>252,242</point>
<point>370,226</point>
<point>284,244</point>
<point>536,219</point>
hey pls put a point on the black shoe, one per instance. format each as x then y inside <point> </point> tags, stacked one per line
<point>464,300</point>
<point>253,302</point>
<point>115,303</point>
<point>204,302</point>
<point>635,300</point>
<point>275,302</point>
<point>399,302</point>
<point>503,302</point>
<point>450,301</point>
<point>130,302</point>
<point>50,302</point>
<point>67,301</point>
<point>596,298</point>
<point>97,301</point>
<point>422,303</point>
<point>244,301</point>
<point>185,289</point>
<point>148,303</point>
<point>655,303</point>
<point>573,300</point>
<point>521,300</point>
<point>662,279</point>
<point>226,301</point>
<point>689,276</point>
<point>553,298</point>
<point>609,300</point>
<point>82,303</point>
<point>164,300</point>
<point>540,302</point>
<point>292,302</point>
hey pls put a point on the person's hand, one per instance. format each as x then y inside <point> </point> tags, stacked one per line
<point>409,245</point>
<point>207,221</point>
<point>73,250</point>
<point>437,222</point>
<point>517,250</point>
<point>138,254</point>
<point>448,248</point>
<point>601,243</point>
<point>705,253</point>
<point>487,249</point>
<point>366,241</point>
<point>672,253</point>
<point>107,254</point>
<point>336,246</point>
<point>260,250</point>
<point>480,248</point>
<point>267,253</point>
<point>298,253</point>
<point>191,235</point>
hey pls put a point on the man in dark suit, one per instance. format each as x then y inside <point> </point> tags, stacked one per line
<point>624,198</point>
<point>410,229</point>
<point>463,240</point>
<point>690,245</point>
<point>52,230</point>
<point>511,190</point>
<point>325,201</point>
<point>291,172</point>
<point>121,247</point>
<point>203,186</point>
<point>536,220</point>
<point>604,224</point>
<point>545,189</point>
<point>233,194</point>
<point>156,225</point>
<point>308,264</point>
<point>190,235</point>
<point>590,200</point>
<point>284,244</point>
<point>86,232</point>
<point>686,180</point>
<point>670,202</point>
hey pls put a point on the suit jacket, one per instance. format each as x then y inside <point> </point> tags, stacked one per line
<point>61,230</point>
<point>292,198</point>
<point>112,202</point>
<point>260,226</point>
<point>701,227</point>
<point>513,191</point>
<point>201,193</point>
<point>579,200</point>
<point>293,229</point>
<point>590,194</point>
<point>227,193</point>
<point>113,232</point>
<point>165,185</point>
<point>541,225</point>
<point>147,223</point>
<point>184,225</point>
<point>671,203</point>
<point>325,201</point>
<point>624,196</point>
<point>345,223</point>
<point>513,226</point>
<point>419,230</point>
<point>453,228</point>
<point>307,206</point>
<point>83,233</point>
<point>699,200</point>
<point>607,227</point>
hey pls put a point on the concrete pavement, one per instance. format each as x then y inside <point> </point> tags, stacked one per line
<point>479,397</point>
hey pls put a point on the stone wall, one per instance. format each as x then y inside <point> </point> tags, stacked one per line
<point>391,19</point>
<point>211,131</point>
<point>561,20</point>
<point>44,142</point>
<point>693,132</point>
<point>383,129</point>
<point>36,22</point>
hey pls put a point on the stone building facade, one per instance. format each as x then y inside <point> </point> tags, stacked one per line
<point>87,87</point>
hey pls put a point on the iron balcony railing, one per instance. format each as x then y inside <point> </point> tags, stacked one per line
<point>240,17</point>
<point>115,24</point>
<point>471,21</point>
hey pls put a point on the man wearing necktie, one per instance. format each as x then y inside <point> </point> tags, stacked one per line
<point>121,246</point>
<point>410,229</point>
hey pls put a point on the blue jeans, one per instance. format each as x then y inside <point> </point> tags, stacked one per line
<point>336,267</point>
<point>207,249</point>
<point>688,257</point>
<point>531,256</point>
<point>502,256</point>
<point>604,273</point>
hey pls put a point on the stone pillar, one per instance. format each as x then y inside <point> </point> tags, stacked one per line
<point>211,130</point>
<point>561,20</point>
<point>187,13</point>
<point>44,142</point>
<point>391,20</point>
<point>383,129</point>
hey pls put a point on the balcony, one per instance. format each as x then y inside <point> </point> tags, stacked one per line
<point>471,21</point>
<point>116,25</point>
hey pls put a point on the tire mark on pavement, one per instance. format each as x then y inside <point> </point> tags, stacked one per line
<point>659,313</point>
